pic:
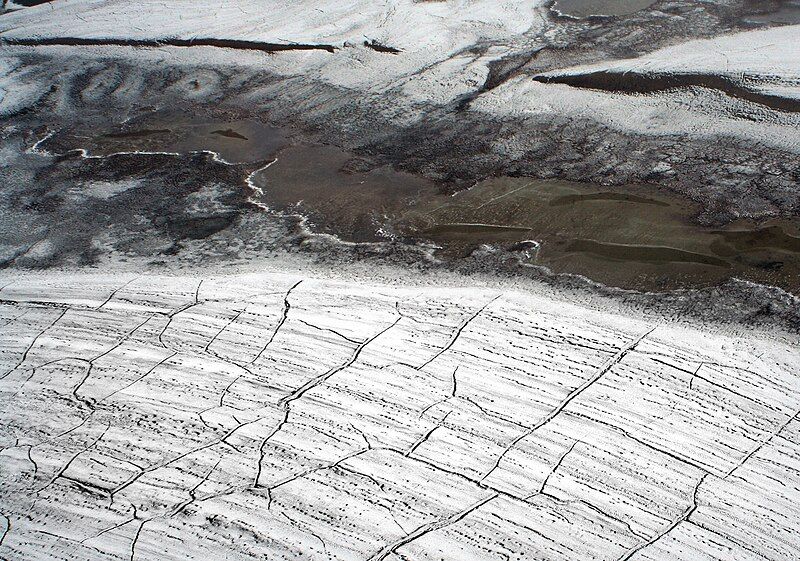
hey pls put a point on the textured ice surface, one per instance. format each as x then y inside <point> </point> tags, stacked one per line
<point>286,417</point>
<point>769,52</point>
<point>445,51</point>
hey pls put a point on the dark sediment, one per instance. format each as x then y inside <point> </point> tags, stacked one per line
<point>381,48</point>
<point>639,83</point>
<point>168,42</point>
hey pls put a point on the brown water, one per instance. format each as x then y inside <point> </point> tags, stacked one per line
<point>632,237</point>
<point>330,187</point>
<point>643,253</point>
<point>137,133</point>
<point>635,237</point>
<point>605,196</point>
<point>234,141</point>
<point>586,8</point>
<point>230,133</point>
<point>787,14</point>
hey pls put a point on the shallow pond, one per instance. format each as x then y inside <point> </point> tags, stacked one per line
<point>235,141</point>
<point>632,237</point>
<point>787,14</point>
<point>586,8</point>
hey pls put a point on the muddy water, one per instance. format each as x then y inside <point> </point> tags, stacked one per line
<point>586,8</point>
<point>234,141</point>
<point>787,14</point>
<point>337,193</point>
<point>633,237</point>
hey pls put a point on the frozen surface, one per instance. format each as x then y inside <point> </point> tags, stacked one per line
<point>426,33</point>
<point>770,52</point>
<point>289,417</point>
<point>688,113</point>
<point>441,52</point>
<point>285,417</point>
<point>764,61</point>
<point>405,21</point>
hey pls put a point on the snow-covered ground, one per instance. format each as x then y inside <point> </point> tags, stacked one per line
<point>446,49</point>
<point>692,113</point>
<point>769,53</point>
<point>293,417</point>
<point>426,33</point>
<point>409,24</point>
<point>765,61</point>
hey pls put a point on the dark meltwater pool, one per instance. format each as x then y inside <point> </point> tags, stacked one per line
<point>787,14</point>
<point>586,8</point>
<point>234,141</point>
<point>632,237</point>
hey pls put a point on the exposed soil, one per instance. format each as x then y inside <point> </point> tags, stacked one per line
<point>170,42</point>
<point>634,82</point>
